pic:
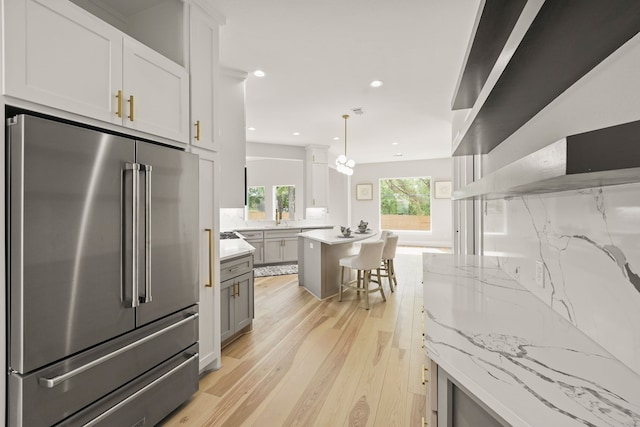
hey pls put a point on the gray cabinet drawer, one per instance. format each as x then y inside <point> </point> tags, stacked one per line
<point>235,267</point>
<point>284,233</point>
<point>253,234</point>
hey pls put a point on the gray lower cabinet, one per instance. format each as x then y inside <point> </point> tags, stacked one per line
<point>236,297</point>
<point>258,255</point>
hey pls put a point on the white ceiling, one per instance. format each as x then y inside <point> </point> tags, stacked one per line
<point>321,55</point>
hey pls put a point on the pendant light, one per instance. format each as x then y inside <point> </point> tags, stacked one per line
<point>343,164</point>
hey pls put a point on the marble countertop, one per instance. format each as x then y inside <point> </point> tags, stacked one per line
<point>334,237</point>
<point>517,355</point>
<point>231,248</point>
<point>282,227</point>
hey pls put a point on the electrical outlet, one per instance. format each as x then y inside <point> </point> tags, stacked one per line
<point>540,273</point>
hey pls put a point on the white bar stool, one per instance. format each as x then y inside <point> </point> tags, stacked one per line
<point>388,254</point>
<point>367,259</point>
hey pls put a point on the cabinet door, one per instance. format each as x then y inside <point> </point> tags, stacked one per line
<point>203,54</point>
<point>57,54</point>
<point>209,320</point>
<point>258,255</point>
<point>227,327</point>
<point>319,184</point>
<point>159,89</point>
<point>290,249</point>
<point>273,250</point>
<point>243,301</point>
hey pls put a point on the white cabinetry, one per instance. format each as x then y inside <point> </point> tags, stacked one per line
<point>209,320</point>
<point>59,55</point>
<point>156,93</point>
<point>317,176</point>
<point>203,57</point>
<point>233,151</point>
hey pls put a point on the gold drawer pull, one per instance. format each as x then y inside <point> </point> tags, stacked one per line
<point>197,130</point>
<point>424,422</point>
<point>210,284</point>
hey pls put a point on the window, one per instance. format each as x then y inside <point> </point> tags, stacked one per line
<point>285,201</point>
<point>405,204</point>
<point>255,199</point>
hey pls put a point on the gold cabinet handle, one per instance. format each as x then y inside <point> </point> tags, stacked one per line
<point>131,107</point>
<point>422,342</point>
<point>238,294</point>
<point>424,422</point>
<point>424,380</point>
<point>197,130</point>
<point>210,283</point>
<point>119,104</point>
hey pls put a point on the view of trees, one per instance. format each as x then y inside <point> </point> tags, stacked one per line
<point>405,196</point>
<point>255,198</point>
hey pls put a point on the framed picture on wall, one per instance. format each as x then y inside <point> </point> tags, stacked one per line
<point>442,190</point>
<point>364,191</point>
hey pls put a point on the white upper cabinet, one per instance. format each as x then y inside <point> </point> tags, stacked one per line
<point>233,141</point>
<point>203,57</point>
<point>63,56</point>
<point>58,55</point>
<point>156,93</point>
<point>317,176</point>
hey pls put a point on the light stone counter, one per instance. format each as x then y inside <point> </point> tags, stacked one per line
<point>516,355</point>
<point>231,248</point>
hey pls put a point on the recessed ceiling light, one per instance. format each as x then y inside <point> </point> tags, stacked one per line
<point>259,73</point>
<point>336,138</point>
<point>397,155</point>
<point>296,133</point>
<point>252,128</point>
<point>394,143</point>
<point>376,83</point>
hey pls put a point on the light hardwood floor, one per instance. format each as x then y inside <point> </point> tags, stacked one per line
<point>321,363</point>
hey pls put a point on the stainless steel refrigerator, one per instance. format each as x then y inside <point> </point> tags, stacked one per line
<point>102,276</point>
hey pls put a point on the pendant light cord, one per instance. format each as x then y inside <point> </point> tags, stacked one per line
<point>345,117</point>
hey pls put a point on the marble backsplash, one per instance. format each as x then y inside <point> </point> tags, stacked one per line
<point>585,246</point>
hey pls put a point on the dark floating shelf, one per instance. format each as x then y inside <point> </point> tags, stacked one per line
<point>563,43</point>
<point>493,28</point>
<point>608,156</point>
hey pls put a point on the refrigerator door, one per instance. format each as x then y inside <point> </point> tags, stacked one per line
<point>65,258</point>
<point>168,231</point>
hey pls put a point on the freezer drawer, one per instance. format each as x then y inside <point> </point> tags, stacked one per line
<point>49,395</point>
<point>148,399</point>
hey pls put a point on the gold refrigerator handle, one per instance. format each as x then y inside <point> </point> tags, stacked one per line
<point>210,232</point>
<point>197,130</point>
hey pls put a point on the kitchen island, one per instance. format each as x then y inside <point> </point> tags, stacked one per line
<point>319,253</point>
<point>521,361</point>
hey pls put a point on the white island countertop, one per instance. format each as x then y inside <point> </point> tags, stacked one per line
<point>231,248</point>
<point>517,355</point>
<point>334,237</point>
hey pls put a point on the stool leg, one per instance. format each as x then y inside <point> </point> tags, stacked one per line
<point>358,279</point>
<point>392,271</point>
<point>341,284</point>
<point>367,276</point>
<point>388,269</point>
<point>382,292</point>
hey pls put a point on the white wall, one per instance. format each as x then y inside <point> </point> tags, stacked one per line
<point>272,172</point>
<point>369,210</point>
<point>338,198</point>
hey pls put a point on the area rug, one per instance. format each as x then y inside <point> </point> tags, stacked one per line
<point>275,270</point>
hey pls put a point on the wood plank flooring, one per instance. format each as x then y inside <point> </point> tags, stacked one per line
<point>321,363</point>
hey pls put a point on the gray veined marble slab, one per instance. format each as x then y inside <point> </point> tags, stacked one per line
<point>517,355</point>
